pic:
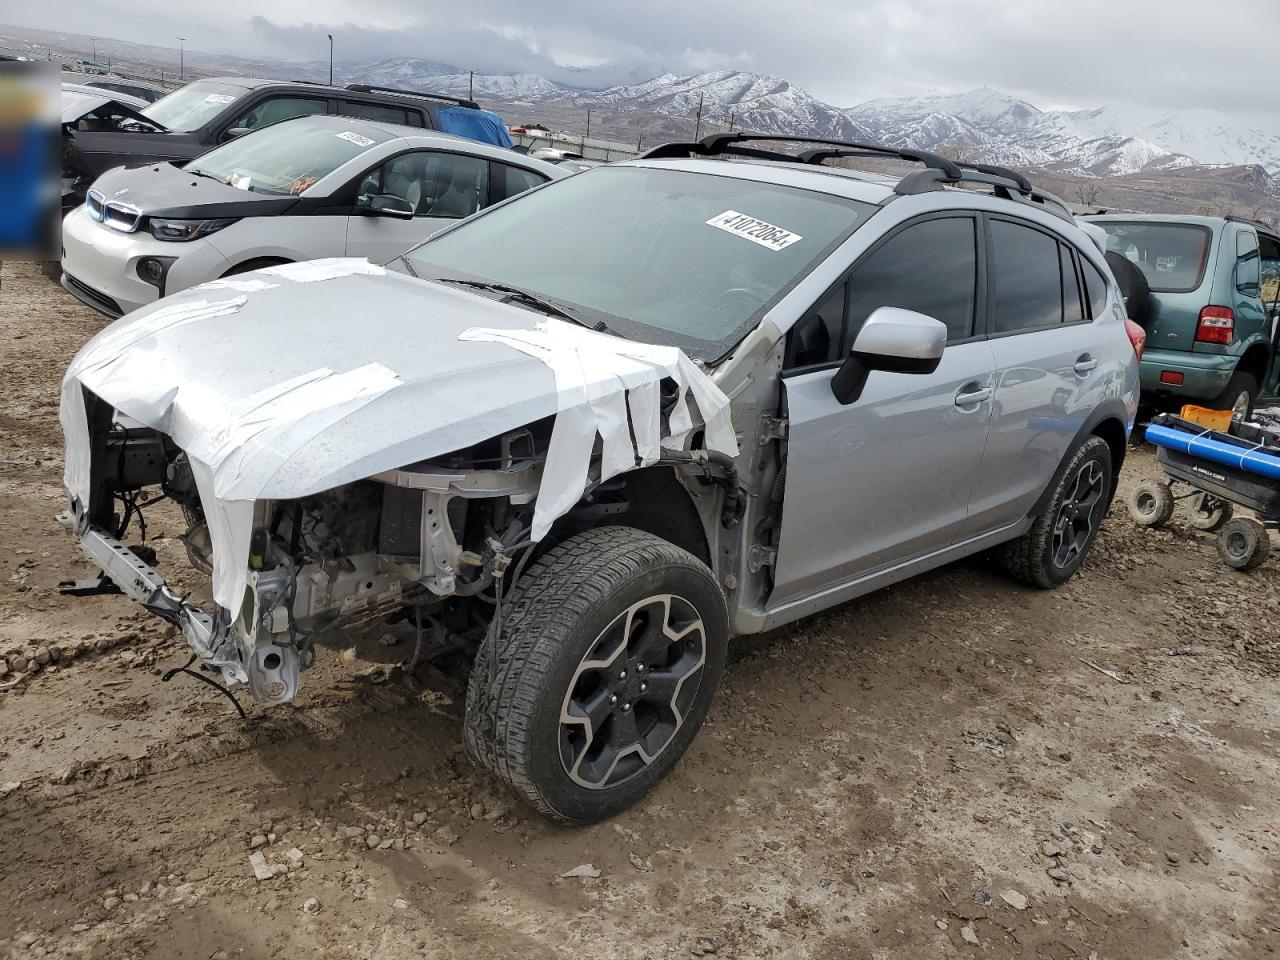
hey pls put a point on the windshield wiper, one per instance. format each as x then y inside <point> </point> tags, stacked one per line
<point>525,297</point>
<point>201,173</point>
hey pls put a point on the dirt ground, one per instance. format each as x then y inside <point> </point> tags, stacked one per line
<point>942,769</point>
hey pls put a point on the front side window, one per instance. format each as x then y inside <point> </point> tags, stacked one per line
<point>1270,271</point>
<point>1028,278</point>
<point>276,109</point>
<point>930,267</point>
<point>194,105</point>
<point>283,160</point>
<point>447,185</point>
<point>1171,256</point>
<point>816,338</point>
<point>655,254</point>
<point>1248,264</point>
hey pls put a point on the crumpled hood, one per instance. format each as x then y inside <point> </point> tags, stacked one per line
<point>292,380</point>
<point>210,349</point>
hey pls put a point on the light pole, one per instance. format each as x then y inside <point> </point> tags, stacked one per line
<point>181,57</point>
<point>330,36</point>
<point>94,40</point>
<point>471,85</point>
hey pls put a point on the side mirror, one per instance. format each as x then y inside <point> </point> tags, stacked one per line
<point>894,340</point>
<point>389,205</point>
<point>236,132</point>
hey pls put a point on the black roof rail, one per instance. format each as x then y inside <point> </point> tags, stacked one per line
<point>721,144</point>
<point>366,88</point>
<point>939,171</point>
<point>1256,224</point>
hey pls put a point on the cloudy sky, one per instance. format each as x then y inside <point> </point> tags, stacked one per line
<point>1167,54</point>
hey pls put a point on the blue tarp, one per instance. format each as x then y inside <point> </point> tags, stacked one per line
<point>480,125</point>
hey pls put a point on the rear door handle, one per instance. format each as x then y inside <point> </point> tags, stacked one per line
<point>967,398</point>
<point>1085,363</point>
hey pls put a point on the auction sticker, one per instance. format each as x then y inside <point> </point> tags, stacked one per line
<point>355,138</point>
<point>753,229</point>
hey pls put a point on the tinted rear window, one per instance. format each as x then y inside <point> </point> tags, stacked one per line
<point>1171,256</point>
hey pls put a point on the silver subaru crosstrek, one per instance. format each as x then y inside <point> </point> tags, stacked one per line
<point>597,430</point>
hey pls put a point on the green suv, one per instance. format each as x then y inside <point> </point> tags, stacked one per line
<point>1205,289</point>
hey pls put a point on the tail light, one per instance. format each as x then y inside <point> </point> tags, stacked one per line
<point>1217,325</point>
<point>1137,337</point>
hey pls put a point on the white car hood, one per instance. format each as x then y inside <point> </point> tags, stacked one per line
<point>296,379</point>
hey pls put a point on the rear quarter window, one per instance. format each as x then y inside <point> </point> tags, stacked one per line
<point>1096,286</point>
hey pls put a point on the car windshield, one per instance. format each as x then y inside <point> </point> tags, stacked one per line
<point>1170,255</point>
<point>283,159</point>
<point>194,105</point>
<point>658,255</point>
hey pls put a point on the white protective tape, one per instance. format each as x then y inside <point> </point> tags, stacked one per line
<point>609,387</point>
<point>239,284</point>
<point>235,445</point>
<point>328,268</point>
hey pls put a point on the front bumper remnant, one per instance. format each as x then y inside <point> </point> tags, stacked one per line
<point>139,582</point>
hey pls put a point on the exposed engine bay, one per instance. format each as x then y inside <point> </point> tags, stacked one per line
<point>431,542</point>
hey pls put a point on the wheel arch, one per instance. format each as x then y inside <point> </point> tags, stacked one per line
<point>653,500</point>
<point>1106,422</point>
<point>254,263</point>
<point>1255,361</point>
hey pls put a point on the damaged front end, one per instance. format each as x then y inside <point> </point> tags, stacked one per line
<point>330,477</point>
<point>426,540</point>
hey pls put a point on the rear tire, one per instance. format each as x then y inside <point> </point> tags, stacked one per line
<point>611,649</point>
<point>1150,503</point>
<point>1243,544</point>
<point>1207,512</point>
<point>1239,396</point>
<point>1050,553</point>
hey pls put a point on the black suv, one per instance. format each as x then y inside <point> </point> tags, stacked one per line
<point>205,113</point>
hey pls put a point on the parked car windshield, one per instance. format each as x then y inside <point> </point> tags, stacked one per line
<point>282,159</point>
<point>194,105</point>
<point>657,255</point>
<point>1171,256</point>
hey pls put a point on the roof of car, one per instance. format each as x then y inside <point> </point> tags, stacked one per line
<point>1158,218</point>
<point>421,137</point>
<point>839,181</point>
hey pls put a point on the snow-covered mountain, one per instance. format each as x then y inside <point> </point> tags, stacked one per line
<point>1111,140</point>
<point>411,73</point>
<point>747,101</point>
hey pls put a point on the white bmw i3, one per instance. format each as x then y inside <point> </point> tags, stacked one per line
<point>317,186</point>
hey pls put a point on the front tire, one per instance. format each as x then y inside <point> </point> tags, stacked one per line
<point>1050,553</point>
<point>611,648</point>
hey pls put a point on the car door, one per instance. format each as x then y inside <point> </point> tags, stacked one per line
<point>1047,367</point>
<point>439,187</point>
<point>888,477</point>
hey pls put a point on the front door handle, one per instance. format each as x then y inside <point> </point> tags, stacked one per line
<point>968,397</point>
<point>1085,363</point>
